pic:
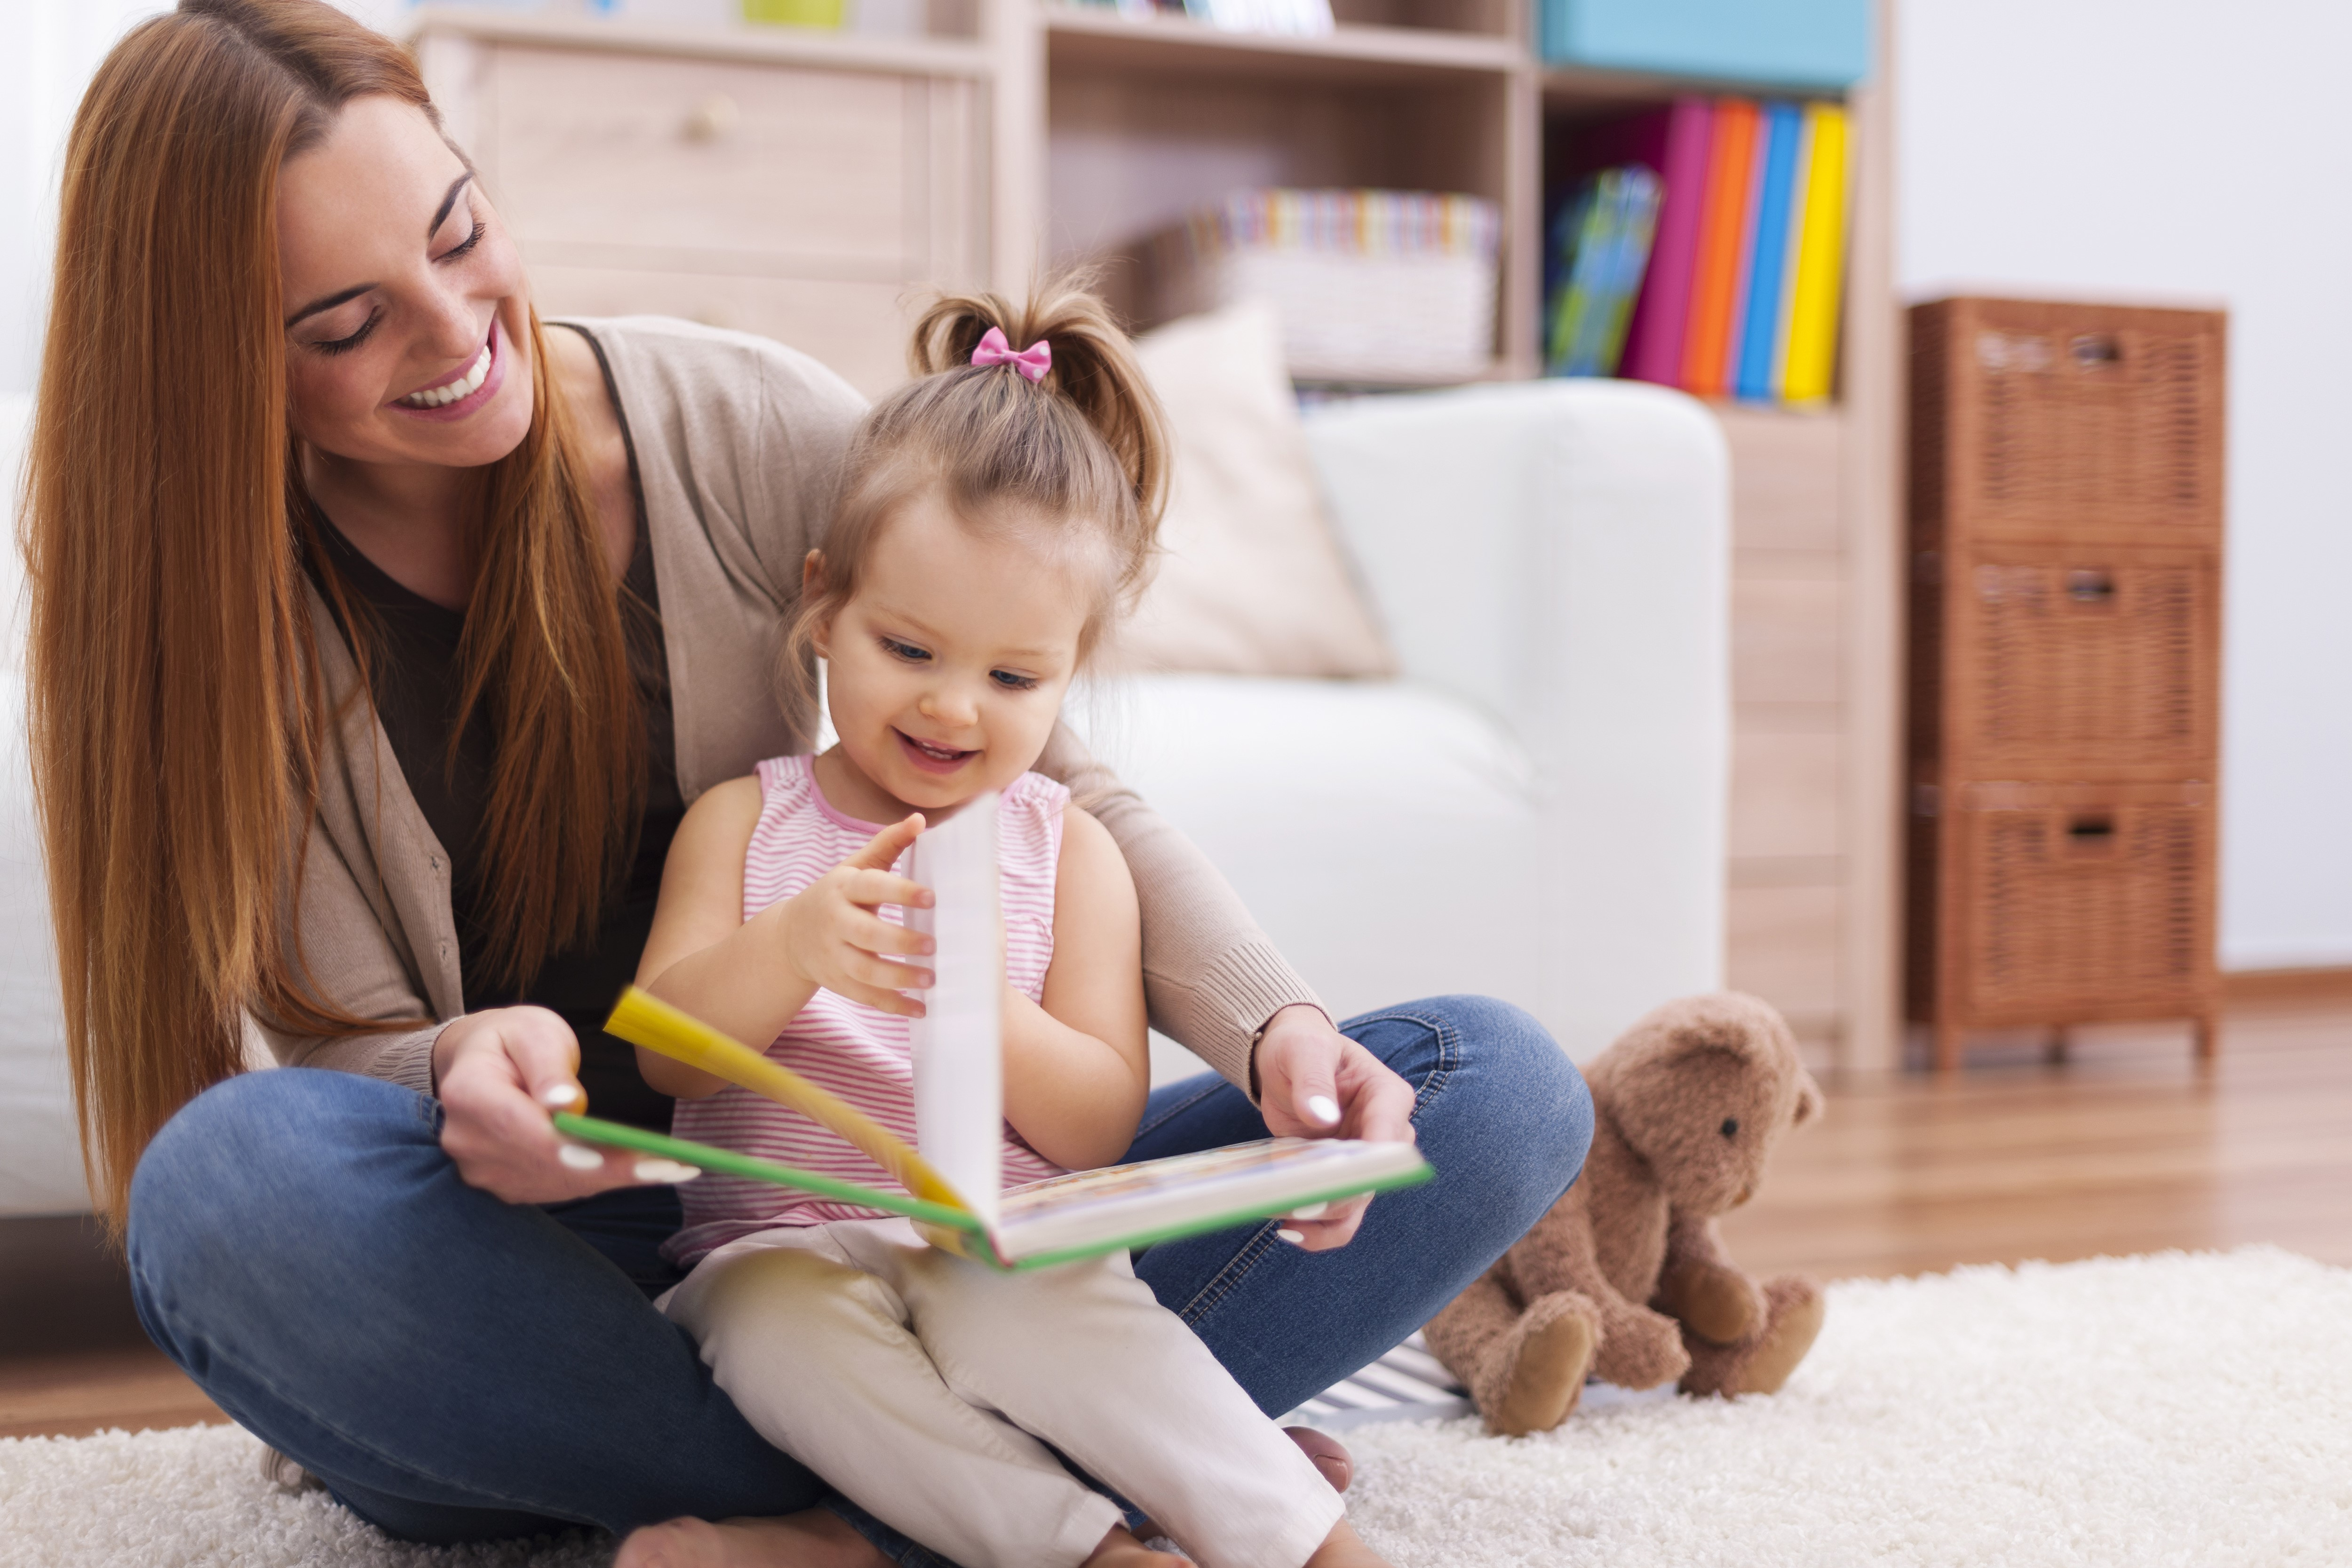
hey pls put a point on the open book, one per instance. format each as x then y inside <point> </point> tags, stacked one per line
<point>951,1179</point>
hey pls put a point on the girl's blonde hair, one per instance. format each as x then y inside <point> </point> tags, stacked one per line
<point>1081,454</point>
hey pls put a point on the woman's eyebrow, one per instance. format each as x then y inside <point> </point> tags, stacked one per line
<point>440,215</point>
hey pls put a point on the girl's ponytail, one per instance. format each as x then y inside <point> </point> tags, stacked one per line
<point>1094,367</point>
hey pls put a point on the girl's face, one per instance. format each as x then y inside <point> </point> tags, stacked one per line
<point>945,673</point>
<point>407,321</point>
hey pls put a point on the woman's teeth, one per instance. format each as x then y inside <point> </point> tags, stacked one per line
<point>464,385</point>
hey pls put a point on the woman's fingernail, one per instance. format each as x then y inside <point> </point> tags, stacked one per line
<point>669,1171</point>
<point>1310,1211</point>
<point>1323,1108</point>
<point>560,1095</point>
<point>1295,1239</point>
<point>579,1156</point>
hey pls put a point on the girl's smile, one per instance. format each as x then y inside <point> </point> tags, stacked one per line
<point>465,390</point>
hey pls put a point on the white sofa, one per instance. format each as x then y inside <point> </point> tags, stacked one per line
<point>1535,811</point>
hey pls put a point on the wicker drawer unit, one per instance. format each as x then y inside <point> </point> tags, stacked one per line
<point>2065,530</point>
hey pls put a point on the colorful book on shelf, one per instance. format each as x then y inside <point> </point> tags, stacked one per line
<point>1767,253</point>
<point>1600,248</point>
<point>948,1183</point>
<point>1813,296</point>
<point>1654,335</point>
<point>1715,277</point>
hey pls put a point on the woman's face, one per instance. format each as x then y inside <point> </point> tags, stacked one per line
<point>407,329</point>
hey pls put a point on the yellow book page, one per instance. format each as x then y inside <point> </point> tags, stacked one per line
<point>1820,264</point>
<point>644,1019</point>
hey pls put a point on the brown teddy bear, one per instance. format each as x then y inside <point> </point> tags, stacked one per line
<point>1625,1278</point>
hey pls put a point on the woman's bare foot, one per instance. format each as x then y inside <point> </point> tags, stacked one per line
<point>1120,1549</point>
<point>1343,1548</point>
<point>812,1538</point>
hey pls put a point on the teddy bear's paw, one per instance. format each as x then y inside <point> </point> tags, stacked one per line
<point>1642,1349</point>
<point>1534,1375</point>
<point>1720,1305</point>
<point>1794,1309</point>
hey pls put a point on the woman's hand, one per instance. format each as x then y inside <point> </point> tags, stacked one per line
<point>1315,1082</point>
<point>833,935</point>
<point>499,1073</point>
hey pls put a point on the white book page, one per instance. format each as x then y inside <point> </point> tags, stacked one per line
<point>958,1042</point>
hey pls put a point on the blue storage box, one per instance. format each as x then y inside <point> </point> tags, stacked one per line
<point>1778,43</point>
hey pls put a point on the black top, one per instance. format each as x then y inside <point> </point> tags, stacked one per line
<point>413,672</point>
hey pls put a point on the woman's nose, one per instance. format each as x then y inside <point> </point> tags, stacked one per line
<point>455,325</point>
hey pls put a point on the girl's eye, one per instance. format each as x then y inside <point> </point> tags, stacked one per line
<point>905,650</point>
<point>1012,682</point>
<point>345,345</point>
<point>457,252</point>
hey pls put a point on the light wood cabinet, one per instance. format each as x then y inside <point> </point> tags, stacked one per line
<point>811,186</point>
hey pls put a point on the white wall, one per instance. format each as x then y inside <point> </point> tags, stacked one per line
<point>2084,148</point>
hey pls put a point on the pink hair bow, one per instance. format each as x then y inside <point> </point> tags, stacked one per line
<point>1033,361</point>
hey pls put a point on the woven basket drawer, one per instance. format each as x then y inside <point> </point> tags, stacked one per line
<point>2084,899</point>
<point>2068,421</point>
<point>2078,660</point>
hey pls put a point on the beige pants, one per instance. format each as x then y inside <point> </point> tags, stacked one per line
<point>926,1387</point>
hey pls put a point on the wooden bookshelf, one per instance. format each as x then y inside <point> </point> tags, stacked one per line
<point>1028,131</point>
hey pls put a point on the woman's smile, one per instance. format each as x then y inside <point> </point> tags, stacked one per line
<point>931,758</point>
<point>461,392</point>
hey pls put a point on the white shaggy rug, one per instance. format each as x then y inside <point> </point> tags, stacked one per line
<point>2176,1409</point>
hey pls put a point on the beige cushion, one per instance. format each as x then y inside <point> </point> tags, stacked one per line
<point>1251,580</point>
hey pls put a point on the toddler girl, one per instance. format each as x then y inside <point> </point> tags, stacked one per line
<point>996,515</point>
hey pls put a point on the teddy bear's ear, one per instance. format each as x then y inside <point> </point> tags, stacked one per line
<point>1809,1102</point>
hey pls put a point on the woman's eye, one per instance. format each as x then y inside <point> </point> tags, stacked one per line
<point>463,247</point>
<point>1012,682</point>
<point>905,650</point>
<point>344,345</point>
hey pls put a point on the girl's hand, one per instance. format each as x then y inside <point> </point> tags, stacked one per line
<point>501,1073</point>
<point>1315,1082</point>
<point>834,935</point>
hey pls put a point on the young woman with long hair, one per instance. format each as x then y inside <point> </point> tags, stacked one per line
<point>381,636</point>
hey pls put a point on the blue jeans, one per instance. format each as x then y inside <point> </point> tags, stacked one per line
<point>457,1368</point>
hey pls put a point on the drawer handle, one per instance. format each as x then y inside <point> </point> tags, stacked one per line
<point>2092,831</point>
<point>2096,351</point>
<point>2091,587</point>
<point>713,118</point>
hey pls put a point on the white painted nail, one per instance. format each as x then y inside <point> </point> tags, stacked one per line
<point>1323,1108</point>
<point>1310,1211</point>
<point>579,1156</point>
<point>1295,1239</point>
<point>560,1095</point>
<point>670,1171</point>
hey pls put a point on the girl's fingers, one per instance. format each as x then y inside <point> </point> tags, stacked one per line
<point>882,851</point>
<point>876,934</point>
<point>874,997</point>
<point>871,889</point>
<point>869,969</point>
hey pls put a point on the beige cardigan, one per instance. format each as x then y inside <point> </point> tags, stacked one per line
<point>737,445</point>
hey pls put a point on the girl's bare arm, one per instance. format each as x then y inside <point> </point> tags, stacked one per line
<point>1076,1069</point>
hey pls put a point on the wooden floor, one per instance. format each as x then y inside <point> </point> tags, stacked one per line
<point>2128,1147</point>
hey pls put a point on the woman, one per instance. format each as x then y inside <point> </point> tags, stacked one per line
<point>380,637</point>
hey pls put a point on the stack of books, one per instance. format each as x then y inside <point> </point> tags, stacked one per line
<point>1371,287</point>
<point>1740,295</point>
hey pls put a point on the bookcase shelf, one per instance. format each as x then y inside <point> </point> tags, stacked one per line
<point>1094,39</point>
<point>812,185</point>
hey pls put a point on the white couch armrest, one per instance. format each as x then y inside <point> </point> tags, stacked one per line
<point>1558,552</point>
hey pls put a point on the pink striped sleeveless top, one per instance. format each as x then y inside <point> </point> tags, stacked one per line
<point>857,1052</point>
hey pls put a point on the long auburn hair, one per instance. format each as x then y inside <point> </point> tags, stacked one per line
<point>1083,451</point>
<point>178,712</point>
